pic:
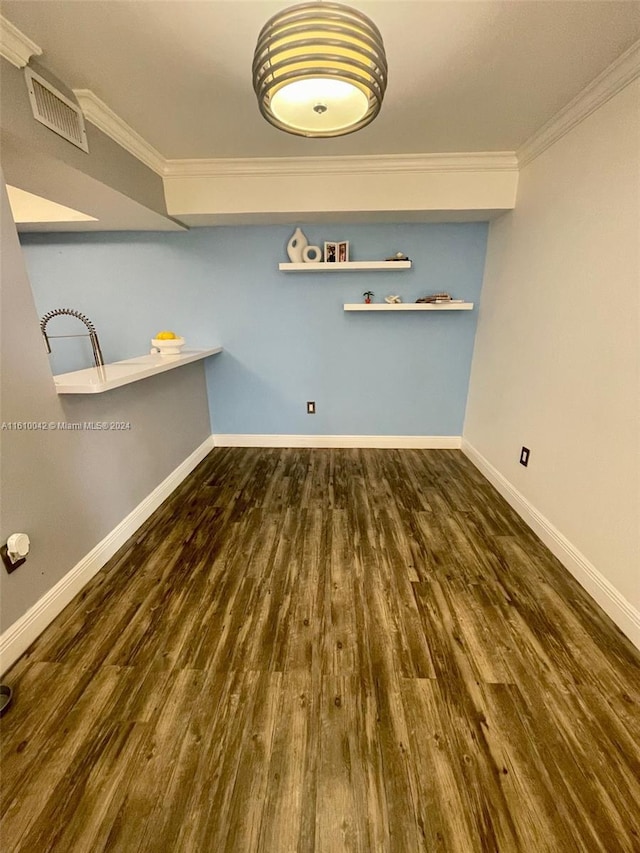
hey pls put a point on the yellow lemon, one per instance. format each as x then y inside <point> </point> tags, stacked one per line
<point>166,336</point>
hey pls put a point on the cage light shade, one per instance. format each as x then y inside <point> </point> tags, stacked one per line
<point>320,69</point>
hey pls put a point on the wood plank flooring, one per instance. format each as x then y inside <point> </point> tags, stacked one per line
<point>327,650</point>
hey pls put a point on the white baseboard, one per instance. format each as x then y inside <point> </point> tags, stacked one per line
<point>621,611</point>
<point>439,442</point>
<point>17,639</point>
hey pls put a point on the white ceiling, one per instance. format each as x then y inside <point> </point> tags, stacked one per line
<point>463,76</point>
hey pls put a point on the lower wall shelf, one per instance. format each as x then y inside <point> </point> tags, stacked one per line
<point>409,306</point>
<point>97,380</point>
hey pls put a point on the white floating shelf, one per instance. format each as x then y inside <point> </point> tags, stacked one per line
<point>348,266</point>
<point>409,306</point>
<point>97,380</point>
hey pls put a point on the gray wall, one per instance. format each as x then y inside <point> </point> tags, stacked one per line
<point>107,162</point>
<point>556,365</point>
<point>67,490</point>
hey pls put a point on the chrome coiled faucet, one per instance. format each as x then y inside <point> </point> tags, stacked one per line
<point>93,335</point>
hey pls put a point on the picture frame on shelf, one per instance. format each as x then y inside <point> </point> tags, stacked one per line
<point>330,252</point>
<point>343,251</point>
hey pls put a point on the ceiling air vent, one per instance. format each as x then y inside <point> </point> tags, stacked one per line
<point>55,111</point>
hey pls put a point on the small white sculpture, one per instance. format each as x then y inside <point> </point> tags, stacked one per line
<point>296,246</point>
<point>312,254</point>
<point>392,300</point>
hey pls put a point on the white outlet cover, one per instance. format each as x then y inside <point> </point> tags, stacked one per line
<point>18,545</point>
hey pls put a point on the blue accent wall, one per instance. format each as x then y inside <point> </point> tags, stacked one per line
<point>286,337</point>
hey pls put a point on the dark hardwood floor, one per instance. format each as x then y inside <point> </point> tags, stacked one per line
<point>327,650</point>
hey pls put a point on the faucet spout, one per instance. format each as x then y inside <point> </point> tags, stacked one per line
<point>93,335</point>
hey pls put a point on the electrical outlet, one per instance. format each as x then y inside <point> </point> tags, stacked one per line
<point>524,456</point>
<point>311,407</point>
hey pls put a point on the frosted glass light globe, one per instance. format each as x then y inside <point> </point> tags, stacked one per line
<point>318,104</point>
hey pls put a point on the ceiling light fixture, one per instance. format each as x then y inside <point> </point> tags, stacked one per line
<point>320,69</point>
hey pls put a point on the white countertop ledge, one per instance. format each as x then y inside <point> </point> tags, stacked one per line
<point>97,380</point>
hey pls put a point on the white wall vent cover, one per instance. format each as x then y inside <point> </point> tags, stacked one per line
<point>55,111</point>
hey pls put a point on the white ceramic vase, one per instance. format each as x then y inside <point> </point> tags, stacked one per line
<point>296,246</point>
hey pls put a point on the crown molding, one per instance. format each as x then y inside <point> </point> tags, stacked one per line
<point>483,161</point>
<point>104,118</point>
<point>15,47</point>
<point>612,80</point>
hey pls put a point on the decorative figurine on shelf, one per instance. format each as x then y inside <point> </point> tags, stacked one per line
<point>312,254</point>
<point>392,300</point>
<point>399,256</point>
<point>296,246</point>
<point>367,296</point>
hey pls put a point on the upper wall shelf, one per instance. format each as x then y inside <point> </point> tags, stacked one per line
<point>409,306</point>
<point>347,266</point>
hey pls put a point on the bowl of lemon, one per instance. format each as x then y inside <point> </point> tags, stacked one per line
<point>167,343</point>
